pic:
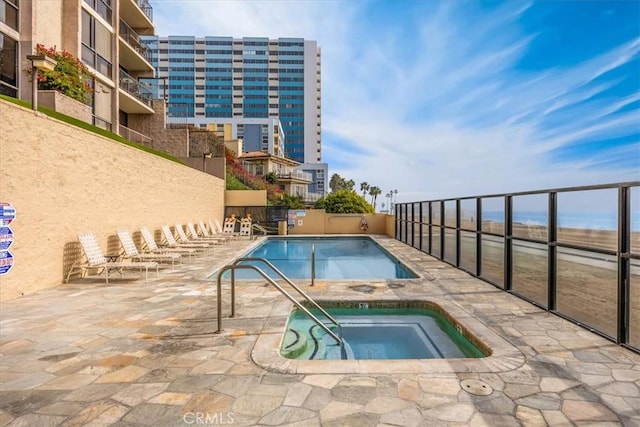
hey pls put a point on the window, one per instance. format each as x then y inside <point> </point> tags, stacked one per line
<point>9,13</point>
<point>8,66</point>
<point>96,45</point>
<point>103,7</point>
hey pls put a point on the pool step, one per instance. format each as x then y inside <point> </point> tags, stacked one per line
<point>299,344</point>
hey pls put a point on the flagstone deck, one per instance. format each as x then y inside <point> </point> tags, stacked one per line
<point>133,354</point>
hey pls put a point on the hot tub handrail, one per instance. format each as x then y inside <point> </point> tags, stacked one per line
<point>286,279</point>
<point>278,287</point>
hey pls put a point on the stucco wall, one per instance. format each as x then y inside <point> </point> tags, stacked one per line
<point>246,198</point>
<point>64,181</point>
<point>317,221</point>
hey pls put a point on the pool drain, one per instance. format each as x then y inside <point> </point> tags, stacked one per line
<point>367,289</point>
<point>476,387</point>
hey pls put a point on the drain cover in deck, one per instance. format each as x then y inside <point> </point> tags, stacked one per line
<point>476,387</point>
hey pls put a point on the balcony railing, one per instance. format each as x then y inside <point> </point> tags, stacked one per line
<point>302,176</point>
<point>135,88</point>
<point>574,252</point>
<point>135,136</point>
<point>146,8</point>
<point>133,40</point>
<point>311,197</point>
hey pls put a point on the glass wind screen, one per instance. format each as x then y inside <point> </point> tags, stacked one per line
<point>589,218</point>
<point>531,216</point>
<point>587,285</point>
<point>468,214</point>
<point>493,215</point>
<point>530,270</point>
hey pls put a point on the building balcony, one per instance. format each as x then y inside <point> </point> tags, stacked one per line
<point>138,14</point>
<point>134,97</point>
<point>310,198</point>
<point>295,176</point>
<point>134,55</point>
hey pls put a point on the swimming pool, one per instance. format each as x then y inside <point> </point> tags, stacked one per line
<point>335,258</point>
<point>379,331</point>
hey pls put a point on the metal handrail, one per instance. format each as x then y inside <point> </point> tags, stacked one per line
<point>260,228</point>
<point>313,263</point>
<point>286,279</point>
<point>235,266</point>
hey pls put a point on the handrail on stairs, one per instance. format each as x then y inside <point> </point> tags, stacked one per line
<point>260,228</point>
<point>236,265</point>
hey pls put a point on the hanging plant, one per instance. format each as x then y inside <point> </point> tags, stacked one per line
<point>70,76</point>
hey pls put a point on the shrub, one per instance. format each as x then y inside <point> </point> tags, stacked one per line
<point>344,201</point>
<point>69,76</point>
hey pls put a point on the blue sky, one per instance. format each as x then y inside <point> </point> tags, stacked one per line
<point>456,98</point>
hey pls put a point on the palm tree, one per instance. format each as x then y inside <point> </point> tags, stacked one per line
<point>336,182</point>
<point>348,185</point>
<point>364,187</point>
<point>374,191</point>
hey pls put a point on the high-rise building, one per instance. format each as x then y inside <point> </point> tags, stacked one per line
<point>207,80</point>
<point>103,34</point>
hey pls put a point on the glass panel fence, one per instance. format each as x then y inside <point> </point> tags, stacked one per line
<point>492,260</point>
<point>493,215</point>
<point>531,216</point>
<point>587,288</point>
<point>634,194</point>
<point>435,241</point>
<point>530,271</point>
<point>634,304</point>
<point>589,218</point>
<point>468,251</point>
<point>468,214</point>
<point>424,240</point>
<point>634,283</point>
<point>436,215</point>
<point>450,245</point>
<point>450,213</point>
<point>425,213</point>
<point>587,248</point>
<point>416,235</point>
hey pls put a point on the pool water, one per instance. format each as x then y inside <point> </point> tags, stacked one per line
<point>377,333</point>
<point>335,258</point>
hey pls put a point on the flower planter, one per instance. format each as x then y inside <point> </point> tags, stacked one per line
<point>65,105</point>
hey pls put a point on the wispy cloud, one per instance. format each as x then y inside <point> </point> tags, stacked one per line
<point>434,99</point>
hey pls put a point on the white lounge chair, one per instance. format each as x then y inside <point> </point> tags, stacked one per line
<point>131,251</point>
<point>152,247</point>
<point>171,241</point>
<point>182,238</point>
<point>95,259</point>
<point>206,233</point>
<point>216,227</point>
<point>195,237</point>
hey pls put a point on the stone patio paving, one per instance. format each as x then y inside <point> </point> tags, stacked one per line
<point>133,353</point>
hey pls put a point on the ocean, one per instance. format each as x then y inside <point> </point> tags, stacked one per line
<point>584,220</point>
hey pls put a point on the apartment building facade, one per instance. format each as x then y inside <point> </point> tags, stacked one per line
<point>265,134</point>
<point>104,34</point>
<point>208,79</point>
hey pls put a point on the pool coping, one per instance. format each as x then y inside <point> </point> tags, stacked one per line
<point>504,356</point>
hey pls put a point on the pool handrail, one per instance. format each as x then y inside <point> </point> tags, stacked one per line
<point>259,228</point>
<point>235,266</point>
<point>286,279</point>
